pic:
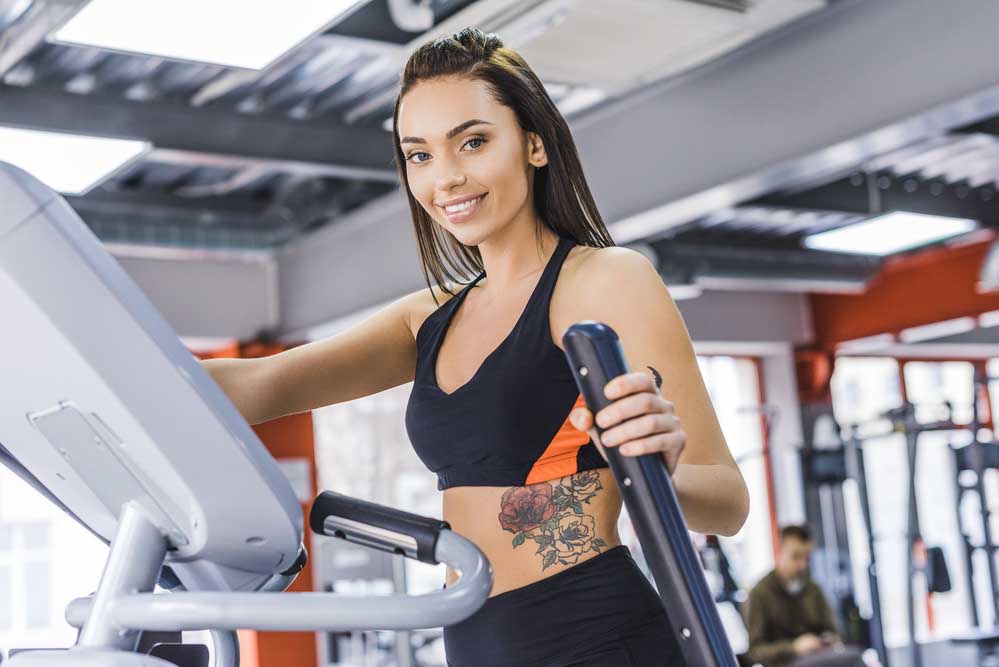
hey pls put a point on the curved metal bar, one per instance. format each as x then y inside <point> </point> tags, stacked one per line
<point>225,648</point>
<point>310,611</point>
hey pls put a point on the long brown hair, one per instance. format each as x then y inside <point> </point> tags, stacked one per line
<point>562,197</point>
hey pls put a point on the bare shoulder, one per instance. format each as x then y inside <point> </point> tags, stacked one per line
<point>593,274</point>
<point>588,268</point>
<point>419,305</point>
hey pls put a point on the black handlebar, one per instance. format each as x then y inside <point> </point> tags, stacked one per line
<point>596,357</point>
<point>376,526</point>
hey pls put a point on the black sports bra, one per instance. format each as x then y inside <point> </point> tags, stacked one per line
<point>509,424</point>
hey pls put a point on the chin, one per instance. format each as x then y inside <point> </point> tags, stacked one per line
<point>467,236</point>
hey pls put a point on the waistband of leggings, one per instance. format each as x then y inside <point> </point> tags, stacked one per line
<point>610,557</point>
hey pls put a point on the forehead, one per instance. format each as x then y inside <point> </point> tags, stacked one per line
<point>431,108</point>
<point>796,544</point>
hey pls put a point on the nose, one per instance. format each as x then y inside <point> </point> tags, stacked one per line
<point>452,179</point>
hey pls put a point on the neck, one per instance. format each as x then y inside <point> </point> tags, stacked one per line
<point>514,254</point>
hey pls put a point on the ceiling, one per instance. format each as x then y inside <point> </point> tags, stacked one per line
<point>760,242</point>
<point>715,134</point>
<point>254,214</point>
<point>247,159</point>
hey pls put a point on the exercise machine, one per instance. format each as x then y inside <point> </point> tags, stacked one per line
<point>111,418</point>
<point>971,461</point>
<point>932,565</point>
<point>824,471</point>
<point>107,414</point>
<point>826,462</point>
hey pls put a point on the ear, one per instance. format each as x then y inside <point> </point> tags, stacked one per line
<point>536,153</point>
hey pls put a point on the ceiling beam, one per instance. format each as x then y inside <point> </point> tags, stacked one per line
<point>872,194</point>
<point>731,266</point>
<point>41,18</point>
<point>192,208</point>
<point>987,126</point>
<point>204,130</point>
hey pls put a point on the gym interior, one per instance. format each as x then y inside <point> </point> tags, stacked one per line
<point>815,181</point>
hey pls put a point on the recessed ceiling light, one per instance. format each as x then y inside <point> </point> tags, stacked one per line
<point>989,319</point>
<point>890,233</point>
<point>866,344</point>
<point>941,329</point>
<point>68,163</point>
<point>234,33</point>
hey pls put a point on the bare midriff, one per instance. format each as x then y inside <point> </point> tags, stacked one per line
<point>529,533</point>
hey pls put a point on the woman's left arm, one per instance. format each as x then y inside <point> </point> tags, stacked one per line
<point>621,288</point>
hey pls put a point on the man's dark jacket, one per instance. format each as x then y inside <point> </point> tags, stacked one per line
<point>774,618</point>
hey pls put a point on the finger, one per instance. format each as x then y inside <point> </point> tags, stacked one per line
<point>672,455</point>
<point>669,444</point>
<point>629,383</point>
<point>595,438</point>
<point>633,406</point>
<point>581,418</point>
<point>639,427</point>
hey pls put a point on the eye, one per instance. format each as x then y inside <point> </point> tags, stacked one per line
<point>481,141</point>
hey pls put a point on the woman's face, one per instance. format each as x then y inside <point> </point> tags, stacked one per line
<point>460,144</point>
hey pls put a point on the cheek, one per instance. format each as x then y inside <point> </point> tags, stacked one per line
<point>504,176</point>
<point>422,189</point>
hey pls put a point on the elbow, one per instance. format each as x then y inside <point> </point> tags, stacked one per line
<point>738,512</point>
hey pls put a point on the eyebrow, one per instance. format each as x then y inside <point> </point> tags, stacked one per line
<point>452,133</point>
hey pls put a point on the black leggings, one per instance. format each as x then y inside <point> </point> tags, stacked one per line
<point>600,613</point>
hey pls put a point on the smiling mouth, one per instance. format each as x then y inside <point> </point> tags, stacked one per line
<point>464,210</point>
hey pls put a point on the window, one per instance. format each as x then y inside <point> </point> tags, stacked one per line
<point>37,608</point>
<point>864,388</point>
<point>46,560</point>
<point>992,368</point>
<point>24,576</point>
<point>6,605</point>
<point>930,384</point>
<point>734,387</point>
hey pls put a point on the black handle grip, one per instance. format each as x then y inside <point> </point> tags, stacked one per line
<point>376,526</point>
<point>595,356</point>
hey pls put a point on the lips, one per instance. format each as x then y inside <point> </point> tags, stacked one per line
<point>459,200</point>
<point>467,211</point>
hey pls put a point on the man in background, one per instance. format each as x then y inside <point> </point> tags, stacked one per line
<point>790,623</point>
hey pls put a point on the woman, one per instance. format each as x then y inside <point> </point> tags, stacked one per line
<point>496,188</point>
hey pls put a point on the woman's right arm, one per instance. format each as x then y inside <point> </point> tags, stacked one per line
<point>374,355</point>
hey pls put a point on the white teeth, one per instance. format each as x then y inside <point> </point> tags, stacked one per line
<point>462,206</point>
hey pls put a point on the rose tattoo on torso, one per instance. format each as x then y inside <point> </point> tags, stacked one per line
<point>552,516</point>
